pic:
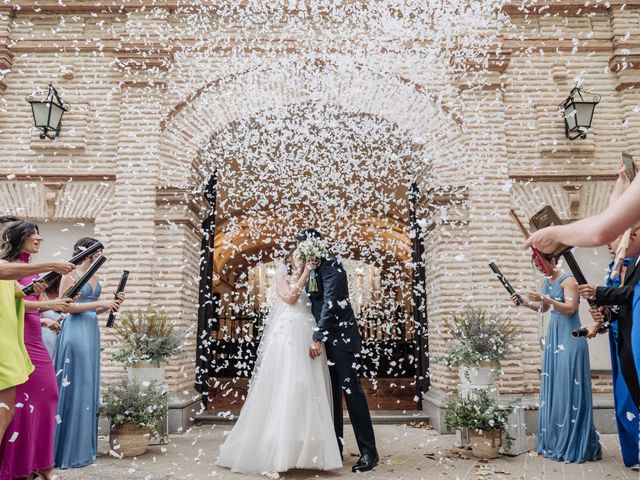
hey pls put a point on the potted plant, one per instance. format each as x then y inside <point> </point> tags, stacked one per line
<point>147,339</point>
<point>484,418</point>
<point>134,411</point>
<point>480,342</point>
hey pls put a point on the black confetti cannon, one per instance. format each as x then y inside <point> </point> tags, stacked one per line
<point>123,283</point>
<point>77,259</point>
<point>505,282</point>
<point>84,279</point>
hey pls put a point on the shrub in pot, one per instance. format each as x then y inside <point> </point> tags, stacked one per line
<point>484,418</point>
<point>134,410</point>
<point>480,341</point>
<point>147,339</point>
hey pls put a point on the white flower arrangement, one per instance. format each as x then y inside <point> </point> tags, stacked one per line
<point>312,250</point>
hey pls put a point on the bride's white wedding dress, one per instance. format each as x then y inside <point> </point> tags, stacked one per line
<point>286,421</point>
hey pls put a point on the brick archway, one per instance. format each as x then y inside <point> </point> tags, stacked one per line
<point>190,124</point>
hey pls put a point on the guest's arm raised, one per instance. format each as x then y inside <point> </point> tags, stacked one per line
<point>18,270</point>
<point>596,230</point>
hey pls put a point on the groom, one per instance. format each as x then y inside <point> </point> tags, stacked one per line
<point>338,330</point>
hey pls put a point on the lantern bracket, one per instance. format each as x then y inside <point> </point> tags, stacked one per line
<point>52,98</point>
<point>580,131</point>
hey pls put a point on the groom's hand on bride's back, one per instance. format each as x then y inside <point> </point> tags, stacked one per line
<point>316,349</point>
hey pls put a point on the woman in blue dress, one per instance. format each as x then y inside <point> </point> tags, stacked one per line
<point>77,365</point>
<point>565,430</point>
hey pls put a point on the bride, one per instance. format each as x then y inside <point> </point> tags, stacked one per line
<point>286,421</point>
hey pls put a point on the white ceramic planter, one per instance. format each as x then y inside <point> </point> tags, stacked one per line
<point>146,373</point>
<point>484,376</point>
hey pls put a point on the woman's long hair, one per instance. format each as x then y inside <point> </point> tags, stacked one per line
<point>83,244</point>
<point>13,238</point>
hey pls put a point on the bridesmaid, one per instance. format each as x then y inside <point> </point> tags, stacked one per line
<point>78,365</point>
<point>15,365</point>
<point>28,446</point>
<point>565,430</point>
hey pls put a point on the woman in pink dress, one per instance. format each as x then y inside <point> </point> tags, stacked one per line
<point>27,447</point>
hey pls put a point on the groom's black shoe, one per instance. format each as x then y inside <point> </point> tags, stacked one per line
<point>366,462</point>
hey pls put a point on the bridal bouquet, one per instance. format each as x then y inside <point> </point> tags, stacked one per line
<point>312,250</point>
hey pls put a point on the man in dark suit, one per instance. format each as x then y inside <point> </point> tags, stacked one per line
<point>338,331</point>
<point>615,304</point>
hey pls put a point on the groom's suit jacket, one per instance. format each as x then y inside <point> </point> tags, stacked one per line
<point>331,307</point>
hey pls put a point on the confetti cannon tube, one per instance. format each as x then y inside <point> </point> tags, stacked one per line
<point>84,279</point>
<point>505,282</point>
<point>76,260</point>
<point>120,289</point>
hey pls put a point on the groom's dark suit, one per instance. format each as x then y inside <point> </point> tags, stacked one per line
<point>338,329</point>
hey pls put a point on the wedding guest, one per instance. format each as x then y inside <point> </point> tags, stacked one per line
<point>565,431</point>
<point>50,319</point>
<point>28,446</point>
<point>78,365</point>
<point>618,294</point>
<point>15,364</point>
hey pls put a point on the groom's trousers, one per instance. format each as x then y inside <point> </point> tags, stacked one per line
<point>344,378</point>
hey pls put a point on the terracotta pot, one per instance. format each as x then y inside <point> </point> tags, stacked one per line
<point>129,440</point>
<point>485,444</point>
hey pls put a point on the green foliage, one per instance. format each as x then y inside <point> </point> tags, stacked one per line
<point>479,411</point>
<point>478,337</point>
<point>131,402</point>
<point>146,336</point>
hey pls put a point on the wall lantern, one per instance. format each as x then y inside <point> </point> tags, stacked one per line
<point>47,113</point>
<point>578,113</point>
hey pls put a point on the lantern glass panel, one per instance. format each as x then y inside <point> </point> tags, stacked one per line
<point>570,116</point>
<point>584,113</point>
<point>56,116</point>
<point>40,114</point>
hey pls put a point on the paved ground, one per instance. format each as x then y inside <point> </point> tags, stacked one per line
<point>406,453</point>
